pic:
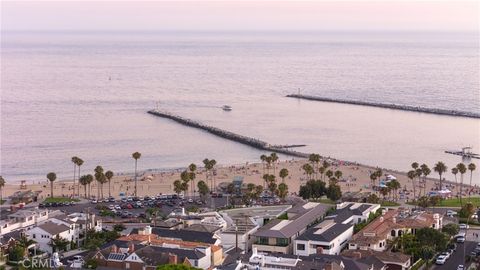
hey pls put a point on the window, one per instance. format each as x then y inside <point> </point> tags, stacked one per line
<point>33,236</point>
<point>195,262</point>
<point>127,265</point>
<point>300,246</point>
<point>392,233</point>
<point>282,241</point>
<point>263,241</point>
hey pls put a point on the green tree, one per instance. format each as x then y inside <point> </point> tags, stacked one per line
<point>426,252</point>
<point>283,174</point>
<point>454,172</point>
<point>100,177</point>
<point>313,189</point>
<point>425,172</point>
<point>51,176</point>
<point>16,253</point>
<point>203,189</point>
<point>471,168</point>
<point>434,201</point>
<point>372,198</point>
<point>411,175</point>
<point>467,210</point>
<point>119,227</point>
<point>431,237</point>
<point>109,176</point>
<point>450,229</point>
<point>440,168</point>
<point>74,161</point>
<point>282,191</point>
<point>177,187</point>
<point>192,175</point>
<point>25,243</point>
<point>58,243</point>
<point>308,169</point>
<point>79,162</point>
<point>462,169</point>
<point>423,202</point>
<point>136,156</point>
<point>334,192</point>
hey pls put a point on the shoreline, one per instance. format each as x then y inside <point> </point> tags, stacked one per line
<point>392,106</point>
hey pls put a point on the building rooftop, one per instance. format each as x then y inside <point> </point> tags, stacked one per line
<point>53,228</point>
<point>184,235</point>
<point>326,231</point>
<point>346,210</point>
<point>280,228</point>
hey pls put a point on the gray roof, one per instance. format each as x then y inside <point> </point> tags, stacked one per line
<point>328,235</point>
<point>185,235</point>
<point>288,228</point>
<point>345,213</point>
<point>53,228</point>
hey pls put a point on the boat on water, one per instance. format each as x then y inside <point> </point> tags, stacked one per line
<point>226,108</point>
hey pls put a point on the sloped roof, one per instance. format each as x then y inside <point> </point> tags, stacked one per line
<point>326,236</point>
<point>185,235</point>
<point>53,228</point>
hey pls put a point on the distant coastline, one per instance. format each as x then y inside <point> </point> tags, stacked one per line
<point>389,106</point>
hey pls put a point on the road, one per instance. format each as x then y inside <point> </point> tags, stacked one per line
<point>458,256</point>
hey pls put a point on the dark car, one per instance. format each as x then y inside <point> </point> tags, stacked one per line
<point>142,215</point>
<point>54,204</point>
<point>41,205</point>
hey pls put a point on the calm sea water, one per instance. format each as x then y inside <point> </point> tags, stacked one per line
<point>87,94</point>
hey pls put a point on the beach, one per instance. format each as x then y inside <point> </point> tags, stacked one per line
<point>355,178</point>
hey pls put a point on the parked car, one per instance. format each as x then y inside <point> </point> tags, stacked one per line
<point>117,207</point>
<point>75,258</point>
<point>460,267</point>
<point>441,259</point>
<point>463,226</point>
<point>94,201</point>
<point>461,239</point>
<point>446,254</point>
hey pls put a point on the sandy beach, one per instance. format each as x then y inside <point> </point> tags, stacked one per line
<point>355,178</point>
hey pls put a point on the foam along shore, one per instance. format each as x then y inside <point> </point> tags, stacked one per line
<point>389,106</point>
<point>253,142</point>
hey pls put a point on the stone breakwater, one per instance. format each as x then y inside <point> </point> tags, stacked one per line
<point>252,142</point>
<point>390,106</point>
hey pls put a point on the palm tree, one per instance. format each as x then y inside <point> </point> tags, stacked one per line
<point>90,180</point>
<point>321,170</point>
<point>338,174</point>
<point>440,168</point>
<point>109,176</point>
<point>471,168</point>
<point>425,171</point>
<point>79,164</point>
<point>373,178</point>
<point>274,158</point>
<point>136,156</point>
<point>2,184</point>
<point>263,158</point>
<point>283,173</point>
<point>74,161</point>
<point>282,191</point>
<point>99,176</point>
<point>454,172</point>
<point>83,180</point>
<point>51,176</point>
<point>185,176</point>
<point>177,186</point>
<point>395,185</point>
<point>213,162</point>
<point>412,174</point>
<point>192,168</point>
<point>462,169</point>
<point>25,243</point>
<point>308,170</point>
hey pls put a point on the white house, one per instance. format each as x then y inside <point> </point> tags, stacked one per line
<point>327,237</point>
<point>25,219</point>
<point>44,233</point>
<point>350,212</point>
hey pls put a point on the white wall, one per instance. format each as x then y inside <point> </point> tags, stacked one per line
<point>336,244</point>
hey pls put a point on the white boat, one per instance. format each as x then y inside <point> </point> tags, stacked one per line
<point>226,108</point>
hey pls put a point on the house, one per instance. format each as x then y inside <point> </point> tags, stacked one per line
<point>391,260</point>
<point>391,224</point>
<point>25,219</point>
<point>264,261</point>
<point>44,233</point>
<point>353,213</point>
<point>328,237</point>
<point>147,250</point>
<point>278,235</point>
<point>181,234</point>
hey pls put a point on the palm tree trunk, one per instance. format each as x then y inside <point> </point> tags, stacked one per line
<point>78,184</point>
<point>470,187</point>
<point>135,177</point>
<point>461,188</point>
<point>74,174</point>
<point>414,194</point>
<point>456,184</point>
<point>51,189</point>
<point>109,193</point>
<point>85,188</point>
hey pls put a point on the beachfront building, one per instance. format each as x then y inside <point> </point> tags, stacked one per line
<point>328,237</point>
<point>180,235</point>
<point>278,235</point>
<point>391,224</point>
<point>391,260</point>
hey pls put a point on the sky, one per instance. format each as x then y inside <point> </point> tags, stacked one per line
<point>461,16</point>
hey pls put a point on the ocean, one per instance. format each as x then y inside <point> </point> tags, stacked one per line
<point>86,94</point>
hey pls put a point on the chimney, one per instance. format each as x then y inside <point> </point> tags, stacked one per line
<point>148,230</point>
<point>172,258</point>
<point>394,219</point>
<point>131,247</point>
<point>384,211</point>
<point>381,219</point>
<point>357,255</point>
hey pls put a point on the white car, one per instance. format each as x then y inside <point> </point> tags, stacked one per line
<point>463,226</point>
<point>474,216</point>
<point>441,259</point>
<point>460,267</point>
<point>111,207</point>
<point>75,258</point>
<point>446,254</point>
<point>118,207</point>
<point>461,239</point>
